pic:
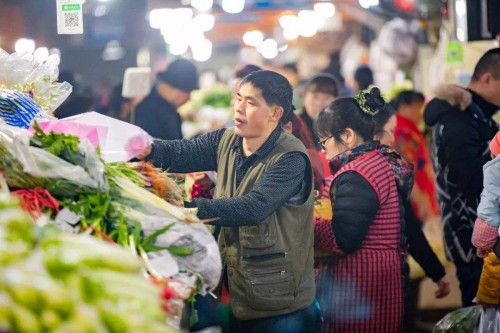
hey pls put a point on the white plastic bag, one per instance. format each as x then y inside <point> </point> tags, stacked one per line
<point>489,321</point>
<point>205,256</point>
<point>120,142</point>
<point>41,164</point>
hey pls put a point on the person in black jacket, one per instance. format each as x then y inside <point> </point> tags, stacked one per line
<point>418,246</point>
<point>463,127</point>
<point>157,113</point>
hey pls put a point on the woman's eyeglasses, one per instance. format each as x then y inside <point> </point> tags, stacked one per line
<point>323,142</point>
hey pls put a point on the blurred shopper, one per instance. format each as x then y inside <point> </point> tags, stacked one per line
<point>463,127</point>
<point>363,78</point>
<point>263,204</point>
<point>296,126</point>
<point>360,287</point>
<point>385,127</point>
<point>157,113</point>
<point>334,68</point>
<point>78,101</point>
<point>119,107</point>
<point>321,90</point>
<point>486,229</point>
<point>410,143</point>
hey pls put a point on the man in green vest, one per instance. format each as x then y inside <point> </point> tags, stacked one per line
<point>263,203</point>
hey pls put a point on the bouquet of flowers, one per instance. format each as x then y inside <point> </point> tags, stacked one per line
<point>29,88</point>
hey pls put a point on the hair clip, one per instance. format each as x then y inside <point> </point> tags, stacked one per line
<point>361,99</point>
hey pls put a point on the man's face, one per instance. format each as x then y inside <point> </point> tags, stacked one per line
<point>253,118</point>
<point>493,91</point>
<point>316,101</point>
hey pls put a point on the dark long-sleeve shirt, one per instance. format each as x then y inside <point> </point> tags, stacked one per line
<point>282,182</point>
<point>419,247</point>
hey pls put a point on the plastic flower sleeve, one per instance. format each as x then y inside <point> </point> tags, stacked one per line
<point>463,320</point>
<point>28,167</point>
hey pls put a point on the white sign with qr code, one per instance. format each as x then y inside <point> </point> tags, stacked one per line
<point>69,17</point>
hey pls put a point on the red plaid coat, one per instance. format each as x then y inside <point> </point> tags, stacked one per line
<point>362,291</point>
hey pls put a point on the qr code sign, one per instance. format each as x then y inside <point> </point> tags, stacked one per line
<point>71,20</point>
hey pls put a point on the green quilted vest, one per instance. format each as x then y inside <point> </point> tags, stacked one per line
<point>269,265</point>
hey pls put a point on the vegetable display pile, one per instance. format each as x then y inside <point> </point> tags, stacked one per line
<point>117,202</point>
<point>56,282</point>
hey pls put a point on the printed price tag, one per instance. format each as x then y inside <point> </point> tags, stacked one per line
<point>69,17</point>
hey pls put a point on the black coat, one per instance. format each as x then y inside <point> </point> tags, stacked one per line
<point>158,117</point>
<point>459,151</point>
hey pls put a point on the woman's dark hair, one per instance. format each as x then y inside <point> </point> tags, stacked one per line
<point>356,113</point>
<point>382,117</point>
<point>407,97</point>
<point>275,89</point>
<point>324,83</point>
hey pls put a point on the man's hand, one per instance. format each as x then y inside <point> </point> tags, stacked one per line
<point>443,288</point>
<point>144,153</point>
<point>139,146</point>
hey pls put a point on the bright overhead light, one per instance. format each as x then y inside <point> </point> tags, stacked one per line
<point>324,9</point>
<point>204,22</point>
<point>24,45</point>
<point>41,54</point>
<point>253,38</point>
<point>288,21</point>
<point>202,50</point>
<point>291,33</point>
<point>269,48</point>
<point>368,3</point>
<point>202,4</point>
<point>178,48</point>
<point>309,21</point>
<point>233,6</point>
<point>157,17</point>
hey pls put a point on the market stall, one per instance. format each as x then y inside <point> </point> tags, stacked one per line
<point>88,240</point>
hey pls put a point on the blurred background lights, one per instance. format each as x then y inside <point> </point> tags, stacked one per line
<point>253,38</point>
<point>309,21</point>
<point>204,22</point>
<point>202,5</point>
<point>368,3</point>
<point>157,17</point>
<point>233,6</point>
<point>268,48</point>
<point>202,50</point>
<point>324,9</point>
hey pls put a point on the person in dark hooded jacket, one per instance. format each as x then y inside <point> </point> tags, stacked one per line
<point>360,286</point>
<point>463,127</point>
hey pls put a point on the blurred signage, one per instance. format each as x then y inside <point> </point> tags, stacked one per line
<point>277,4</point>
<point>104,30</point>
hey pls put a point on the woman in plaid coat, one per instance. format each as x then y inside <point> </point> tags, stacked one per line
<point>360,286</point>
